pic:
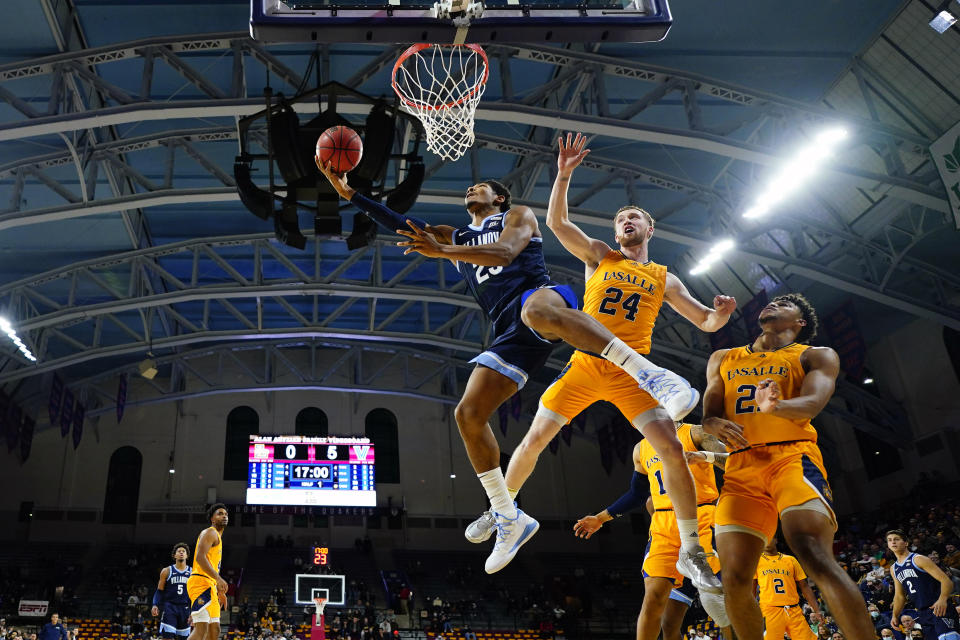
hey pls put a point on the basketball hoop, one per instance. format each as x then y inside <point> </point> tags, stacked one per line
<point>319,604</point>
<point>441,84</point>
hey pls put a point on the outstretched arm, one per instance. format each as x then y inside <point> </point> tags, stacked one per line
<point>519,226</point>
<point>379,213</point>
<point>707,319</point>
<point>572,237</point>
<point>822,365</point>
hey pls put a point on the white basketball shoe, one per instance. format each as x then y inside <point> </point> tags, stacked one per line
<point>480,529</point>
<point>672,391</point>
<point>512,533</point>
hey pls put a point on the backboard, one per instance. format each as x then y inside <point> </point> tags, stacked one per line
<point>409,21</point>
<point>311,585</point>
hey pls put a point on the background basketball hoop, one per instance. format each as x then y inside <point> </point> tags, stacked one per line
<point>441,84</point>
<point>319,604</point>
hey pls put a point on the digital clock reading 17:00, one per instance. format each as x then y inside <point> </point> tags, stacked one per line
<point>300,470</point>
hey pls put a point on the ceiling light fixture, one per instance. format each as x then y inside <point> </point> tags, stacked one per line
<point>943,21</point>
<point>795,173</point>
<point>8,329</point>
<point>715,253</point>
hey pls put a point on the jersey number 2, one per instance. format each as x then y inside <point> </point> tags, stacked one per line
<point>778,585</point>
<point>747,393</point>
<point>613,297</point>
<point>484,273</point>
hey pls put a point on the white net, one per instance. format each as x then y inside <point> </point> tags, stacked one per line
<point>442,84</point>
<point>319,604</point>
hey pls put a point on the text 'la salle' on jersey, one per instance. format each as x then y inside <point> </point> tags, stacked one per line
<point>495,287</point>
<point>920,588</point>
<point>175,588</point>
<point>777,578</point>
<point>742,370</point>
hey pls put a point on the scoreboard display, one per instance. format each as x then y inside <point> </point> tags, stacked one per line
<point>300,470</point>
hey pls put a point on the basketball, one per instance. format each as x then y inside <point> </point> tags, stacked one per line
<point>341,147</point>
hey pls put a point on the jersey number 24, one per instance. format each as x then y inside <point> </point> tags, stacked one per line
<point>608,304</point>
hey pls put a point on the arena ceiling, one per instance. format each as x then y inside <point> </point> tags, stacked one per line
<point>121,232</point>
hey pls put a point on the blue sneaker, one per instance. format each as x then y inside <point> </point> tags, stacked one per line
<point>512,533</point>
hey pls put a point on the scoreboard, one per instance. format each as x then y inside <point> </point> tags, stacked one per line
<point>301,470</point>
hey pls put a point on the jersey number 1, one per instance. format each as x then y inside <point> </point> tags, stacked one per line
<point>659,481</point>
<point>484,273</point>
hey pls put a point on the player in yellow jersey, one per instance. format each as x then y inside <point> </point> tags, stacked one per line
<point>769,391</point>
<point>624,292</point>
<point>781,579</point>
<point>663,546</point>
<point>206,589</point>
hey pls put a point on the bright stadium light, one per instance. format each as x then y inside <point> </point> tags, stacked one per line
<point>8,329</point>
<point>796,172</point>
<point>715,253</point>
<point>943,21</point>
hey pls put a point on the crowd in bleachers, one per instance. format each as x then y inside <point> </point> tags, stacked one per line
<point>575,596</point>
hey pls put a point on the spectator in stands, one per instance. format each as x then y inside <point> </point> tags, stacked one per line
<point>53,630</point>
<point>886,634</point>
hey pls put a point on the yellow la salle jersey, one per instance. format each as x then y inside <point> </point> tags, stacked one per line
<point>626,296</point>
<point>777,576</point>
<point>703,478</point>
<point>214,555</point>
<point>742,370</point>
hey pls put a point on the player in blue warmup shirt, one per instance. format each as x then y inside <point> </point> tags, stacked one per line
<point>500,255</point>
<point>917,578</point>
<point>170,600</point>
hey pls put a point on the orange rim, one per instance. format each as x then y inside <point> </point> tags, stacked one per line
<point>420,46</point>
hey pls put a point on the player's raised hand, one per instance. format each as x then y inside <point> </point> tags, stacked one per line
<point>572,153</point>
<point>727,432</point>
<point>154,611</point>
<point>768,395</point>
<point>724,305</point>
<point>338,181</point>
<point>587,526</point>
<point>421,241</point>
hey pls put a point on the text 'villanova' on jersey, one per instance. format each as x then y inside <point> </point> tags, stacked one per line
<point>175,589</point>
<point>495,287</point>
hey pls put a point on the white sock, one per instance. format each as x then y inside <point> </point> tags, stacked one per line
<point>689,534</point>
<point>619,353</point>
<point>497,492</point>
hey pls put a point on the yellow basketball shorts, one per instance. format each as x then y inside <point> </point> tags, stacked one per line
<point>761,483</point>
<point>789,620</point>
<point>586,379</point>
<point>202,592</point>
<point>663,545</point>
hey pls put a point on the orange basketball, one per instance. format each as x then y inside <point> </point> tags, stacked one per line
<point>340,147</point>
